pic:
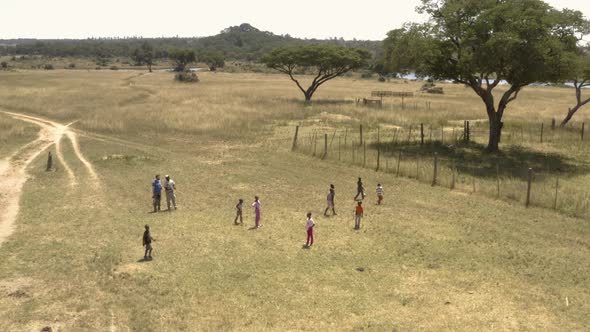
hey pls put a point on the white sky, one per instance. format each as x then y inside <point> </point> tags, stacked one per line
<point>369,19</point>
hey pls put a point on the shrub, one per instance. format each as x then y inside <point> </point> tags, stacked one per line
<point>71,66</point>
<point>186,76</point>
<point>114,68</point>
<point>4,65</point>
<point>48,66</point>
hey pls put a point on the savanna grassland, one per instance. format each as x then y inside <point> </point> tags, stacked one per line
<point>430,258</point>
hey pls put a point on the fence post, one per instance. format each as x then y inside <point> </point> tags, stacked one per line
<point>49,162</point>
<point>553,124</point>
<point>556,191</point>
<point>498,180</point>
<point>315,144</point>
<point>442,135</point>
<point>528,189</point>
<point>453,174</point>
<point>583,124</point>
<point>364,154</point>
<point>353,152</point>
<point>409,134</point>
<point>295,139</point>
<point>345,136</point>
<point>421,134</point>
<point>542,126</point>
<point>386,165</point>
<point>325,146</point>
<point>361,134</point>
<point>435,169</point>
<point>339,148</point>
<point>378,158</point>
<point>472,177</point>
<point>430,134</point>
<point>399,159</point>
<point>468,132</point>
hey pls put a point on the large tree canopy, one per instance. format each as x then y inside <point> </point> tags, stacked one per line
<point>325,61</point>
<point>482,43</point>
<point>182,57</point>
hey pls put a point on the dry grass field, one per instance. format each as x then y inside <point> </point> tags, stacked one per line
<point>428,259</point>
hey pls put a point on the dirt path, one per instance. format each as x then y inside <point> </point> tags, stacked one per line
<point>13,168</point>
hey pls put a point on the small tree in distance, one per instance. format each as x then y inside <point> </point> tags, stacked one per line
<point>326,62</point>
<point>181,57</point>
<point>144,55</point>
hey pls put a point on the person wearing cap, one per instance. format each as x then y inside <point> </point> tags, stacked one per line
<point>170,188</point>
<point>157,193</point>
<point>147,243</point>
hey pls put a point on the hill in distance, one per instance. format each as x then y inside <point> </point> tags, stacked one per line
<point>242,42</point>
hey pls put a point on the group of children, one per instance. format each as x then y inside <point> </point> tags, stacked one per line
<point>309,225</point>
<point>169,188</point>
<point>257,207</point>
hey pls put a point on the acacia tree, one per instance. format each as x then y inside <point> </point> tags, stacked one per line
<point>144,55</point>
<point>182,57</point>
<point>481,43</point>
<point>325,61</point>
<point>581,80</point>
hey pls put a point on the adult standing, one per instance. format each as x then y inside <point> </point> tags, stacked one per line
<point>157,193</point>
<point>170,188</point>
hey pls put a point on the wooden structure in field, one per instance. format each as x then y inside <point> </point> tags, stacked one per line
<point>401,95</point>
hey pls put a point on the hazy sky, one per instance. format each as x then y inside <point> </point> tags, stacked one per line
<point>369,19</point>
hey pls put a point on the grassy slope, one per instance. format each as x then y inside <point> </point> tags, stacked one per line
<point>432,259</point>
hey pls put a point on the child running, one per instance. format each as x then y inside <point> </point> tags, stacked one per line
<point>309,226</point>
<point>256,205</point>
<point>380,193</point>
<point>239,212</point>
<point>358,214</point>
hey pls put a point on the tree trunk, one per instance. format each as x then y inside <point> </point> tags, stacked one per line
<point>570,114</point>
<point>150,67</point>
<point>496,125</point>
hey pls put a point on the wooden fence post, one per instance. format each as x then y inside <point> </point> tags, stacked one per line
<point>553,124</point>
<point>353,152</point>
<point>556,191</point>
<point>409,134</point>
<point>542,126</point>
<point>364,154</point>
<point>315,144</point>
<point>498,180</point>
<point>468,132</point>
<point>295,139</point>
<point>345,136</point>
<point>583,124</point>
<point>361,134</point>
<point>386,165</point>
<point>421,134</point>
<point>453,174</point>
<point>435,169</point>
<point>528,189</point>
<point>49,162</point>
<point>399,159</point>
<point>378,158</point>
<point>325,146</point>
<point>339,148</point>
<point>442,135</point>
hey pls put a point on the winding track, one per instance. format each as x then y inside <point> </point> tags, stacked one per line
<point>13,168</point>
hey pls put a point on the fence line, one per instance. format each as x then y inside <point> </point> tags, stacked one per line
<point>524,185</point>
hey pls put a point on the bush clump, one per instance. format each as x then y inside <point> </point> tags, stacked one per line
<point>48,66</point>
<point>186,76</point>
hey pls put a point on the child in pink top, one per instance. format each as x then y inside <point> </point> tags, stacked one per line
<point>309,226</point>
<point>256,205</point>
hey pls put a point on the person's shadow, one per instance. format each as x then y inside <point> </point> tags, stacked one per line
<point>144,259</point>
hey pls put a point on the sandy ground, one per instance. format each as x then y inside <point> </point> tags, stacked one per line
<point>13,168</point>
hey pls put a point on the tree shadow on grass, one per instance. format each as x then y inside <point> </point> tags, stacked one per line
<point>471,158</point>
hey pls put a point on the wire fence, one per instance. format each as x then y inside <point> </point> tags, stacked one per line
<point>428,155</point>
